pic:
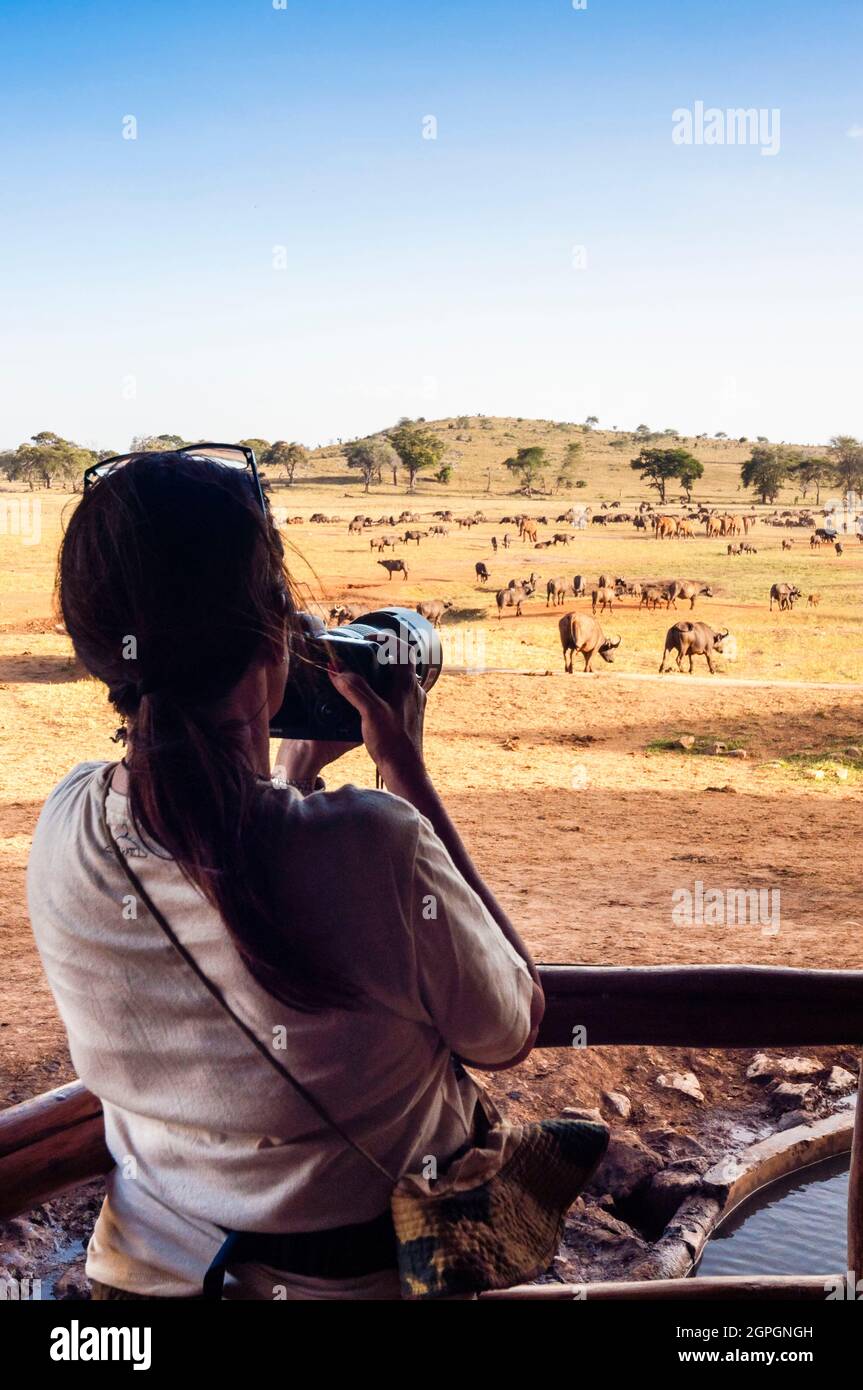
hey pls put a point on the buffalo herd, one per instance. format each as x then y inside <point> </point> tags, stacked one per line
<point>580,632</point>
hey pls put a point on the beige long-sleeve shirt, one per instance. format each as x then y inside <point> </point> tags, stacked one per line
<point>206,1135</point>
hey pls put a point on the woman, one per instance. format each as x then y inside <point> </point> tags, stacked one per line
<point>348,930</point>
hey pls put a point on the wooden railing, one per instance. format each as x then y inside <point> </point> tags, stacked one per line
<point>56,1141</point>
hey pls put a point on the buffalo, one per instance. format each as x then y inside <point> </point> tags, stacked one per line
<point>786,595</point>
<point>395,567</point>
<point>603,597</point>
<point>555,591</point>
<point>513,597</point>
<point>692,639</point>
<point>343,613</point>
<point>434,609</point>
<point>581,633</point>
<point>684,588</point>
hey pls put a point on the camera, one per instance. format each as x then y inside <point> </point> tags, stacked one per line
<point>371,646</point>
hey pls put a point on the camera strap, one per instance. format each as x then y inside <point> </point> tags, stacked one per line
<point>213,989</point>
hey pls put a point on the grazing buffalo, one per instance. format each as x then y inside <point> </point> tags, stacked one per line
<point>434,609</point>
<point>579,588</point>
<point>581,633</point>
<point>513,597</point>
<point>482,573</point>
<point>561,538</point>
<point>414,536</point>
<point>692,639</point>
<point>555,591</point>
<point>395,567</point>
<point>786,595</point>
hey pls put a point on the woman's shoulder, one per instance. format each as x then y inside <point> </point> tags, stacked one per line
<point>80,781</point>
<point>358,817</point>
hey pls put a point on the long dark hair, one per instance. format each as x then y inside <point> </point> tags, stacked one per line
<point>171,581</point>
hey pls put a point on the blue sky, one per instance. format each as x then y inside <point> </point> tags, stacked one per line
<point>721,290</point>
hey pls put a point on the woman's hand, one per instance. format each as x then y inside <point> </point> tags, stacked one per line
<point>301,759</point>
<point>393,727</point>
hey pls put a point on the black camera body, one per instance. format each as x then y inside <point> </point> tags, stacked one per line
<point>371,646</point>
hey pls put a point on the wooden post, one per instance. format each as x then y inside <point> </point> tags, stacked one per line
<point>855,1188</point>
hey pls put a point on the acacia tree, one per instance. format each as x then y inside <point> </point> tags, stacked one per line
<point>286,456</point>
<point>766,470</point>
<point>571,457</point>
<point>528,465</point>
<point>689,472</point>
<point>47,458</point>
<point>846,455</point>
<point>156,443</point>
<point>417,448</point>
<point>371,457</point>
<point>814,472</point>
<point>658,467</point>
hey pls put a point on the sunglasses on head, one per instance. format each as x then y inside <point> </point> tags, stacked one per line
<point>229,455</point>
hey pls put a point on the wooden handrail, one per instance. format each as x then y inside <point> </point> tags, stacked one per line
<point>810,1287</point>
<point>701,1006</point>
<point>49,1144</point>
<point>56,1140</point>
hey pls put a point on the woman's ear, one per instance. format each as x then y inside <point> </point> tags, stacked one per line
<point>279,649</point>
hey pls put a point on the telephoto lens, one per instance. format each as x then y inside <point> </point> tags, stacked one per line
<point>371,646</point>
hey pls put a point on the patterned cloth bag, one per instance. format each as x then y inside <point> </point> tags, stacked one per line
<point>495,1218</point>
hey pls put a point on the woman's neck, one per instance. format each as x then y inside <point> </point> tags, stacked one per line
<point>247,709</point>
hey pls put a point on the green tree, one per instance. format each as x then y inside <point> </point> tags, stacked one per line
<point>571,458</point>
<point>417,448</point>
<point>528,466</point>
<point>258,446</point>
<point>766,470</point>
<point>658,467</point>
<point>814,472</point>
<point>689,473</point>
<point>846,454</point>
<point>591,421</point>
<point>46,459</point>
<point>155,443</point>
<point>370,457</point>
<point>288,457</point>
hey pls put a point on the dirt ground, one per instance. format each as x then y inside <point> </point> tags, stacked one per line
<point>578,811</point>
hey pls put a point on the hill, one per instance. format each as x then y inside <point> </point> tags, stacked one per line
<point>477,445</point>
